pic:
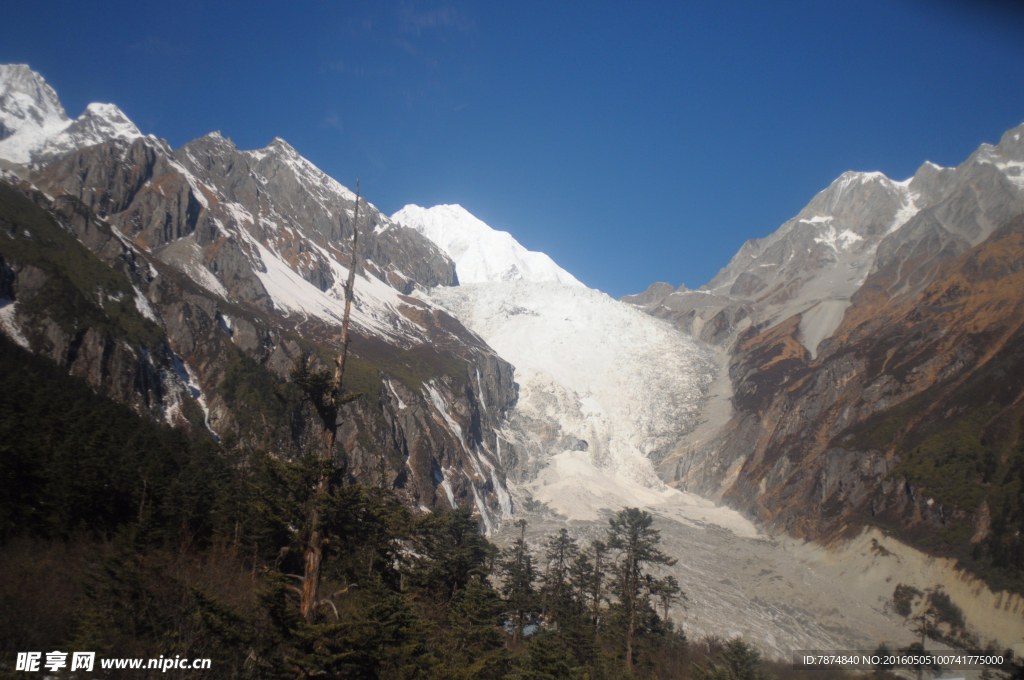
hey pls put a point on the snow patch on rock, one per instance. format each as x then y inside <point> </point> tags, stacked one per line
<point>142,304</point>
<point>9,324</point>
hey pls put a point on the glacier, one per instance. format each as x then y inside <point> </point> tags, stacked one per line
<point>588,367</point>
<point>597,371</point>
<point>604,390</point>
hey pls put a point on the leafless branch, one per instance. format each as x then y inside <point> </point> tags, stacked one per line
<point>330,604</point>
<point>345,589</point>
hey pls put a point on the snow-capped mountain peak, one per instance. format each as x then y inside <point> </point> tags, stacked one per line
<point>97,124</point>
<point>481,254</point>
<point>34,125</point>
<point>30,112</point>
<point>25,93</point>
<point>324,187</point>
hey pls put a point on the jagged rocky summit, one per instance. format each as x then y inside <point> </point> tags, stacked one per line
<point>198,274</point>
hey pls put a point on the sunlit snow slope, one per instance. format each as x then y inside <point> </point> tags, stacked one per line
<point>480,252</point>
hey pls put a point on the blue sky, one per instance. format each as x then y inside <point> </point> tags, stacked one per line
<point>632,142</point>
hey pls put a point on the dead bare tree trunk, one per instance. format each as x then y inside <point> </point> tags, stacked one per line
<point>339,371</point>
<point>315,544</point>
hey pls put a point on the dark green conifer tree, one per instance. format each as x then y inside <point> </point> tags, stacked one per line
<point>475,644</point>
<point>631,533</point>
<point>518,575</point>
<point>547,659</point>
<point>560,552</point>
<point>665,591</point>
<point>738,661</point>
<point>448,554</point>
<point>587,578</point>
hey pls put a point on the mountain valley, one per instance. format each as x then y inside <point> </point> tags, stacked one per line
<point>837,412</point>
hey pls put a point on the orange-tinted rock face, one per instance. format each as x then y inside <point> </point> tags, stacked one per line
<point>829,444</point>
<point>901,402</point>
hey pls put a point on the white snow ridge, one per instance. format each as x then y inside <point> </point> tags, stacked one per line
<point>480,252</point>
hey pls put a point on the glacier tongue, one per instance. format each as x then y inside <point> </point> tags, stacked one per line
<point>596,371</point>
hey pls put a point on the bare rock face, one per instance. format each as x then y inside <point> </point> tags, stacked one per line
<point>826,442</point>
<point>655,293</point>
<point>96,332</point>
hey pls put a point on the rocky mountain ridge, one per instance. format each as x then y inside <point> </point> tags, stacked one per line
<point>236,262</point>
<point>816,261</point>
